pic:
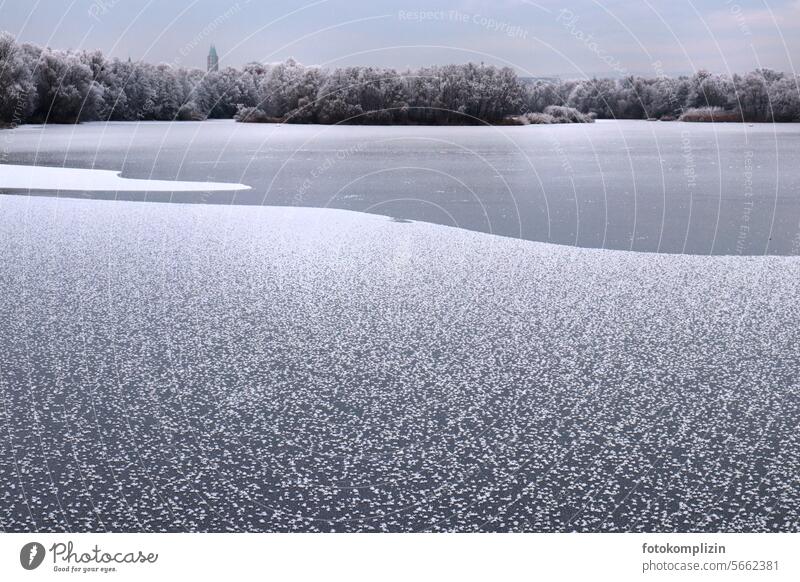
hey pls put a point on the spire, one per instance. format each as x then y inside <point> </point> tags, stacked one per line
<point>213,59</point>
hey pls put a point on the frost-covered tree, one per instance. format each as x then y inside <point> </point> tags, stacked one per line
<point>17,91</point>
<point>362,95</point>
<point>541,94</point>
<point>667,97</point>
<point>784,98</point>
<point>219,93</point>
<point>289,90</point>
<point>66,91</point>
<point>598,96</point>
<point>752,97</point>
<point>169,94</point>
<point>251,80</point>
<point>464,94</point>
<point>710,90</point>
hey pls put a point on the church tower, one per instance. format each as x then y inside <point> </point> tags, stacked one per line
<point>213,59</point>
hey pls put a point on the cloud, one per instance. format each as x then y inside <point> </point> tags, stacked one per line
<point>734,16</point>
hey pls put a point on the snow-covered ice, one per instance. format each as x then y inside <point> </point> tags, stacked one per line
<point>20,177</point>
<point>625,184</point>
<point>194,368</point>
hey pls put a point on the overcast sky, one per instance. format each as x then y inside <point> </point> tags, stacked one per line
<point>541,37</point>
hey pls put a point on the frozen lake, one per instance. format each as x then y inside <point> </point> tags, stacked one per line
<point>631,185</point>
<point>223,367</point>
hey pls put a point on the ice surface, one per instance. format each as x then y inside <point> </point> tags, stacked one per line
<point>693,188</point>
<point>17,177</point>
<point>193,368</point>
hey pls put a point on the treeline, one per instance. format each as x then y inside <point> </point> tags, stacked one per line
<point>761,95</point>
<point>39,84</point>
<point>44,85</point>
<point>434,95</point>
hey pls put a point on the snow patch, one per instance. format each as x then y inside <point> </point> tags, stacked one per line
<point>18,177</point>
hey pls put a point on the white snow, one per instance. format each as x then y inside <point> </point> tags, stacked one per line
<point>19,177</point>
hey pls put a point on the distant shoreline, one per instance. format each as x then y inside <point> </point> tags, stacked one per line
<point>95,87</point>
<point>485,124</point>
